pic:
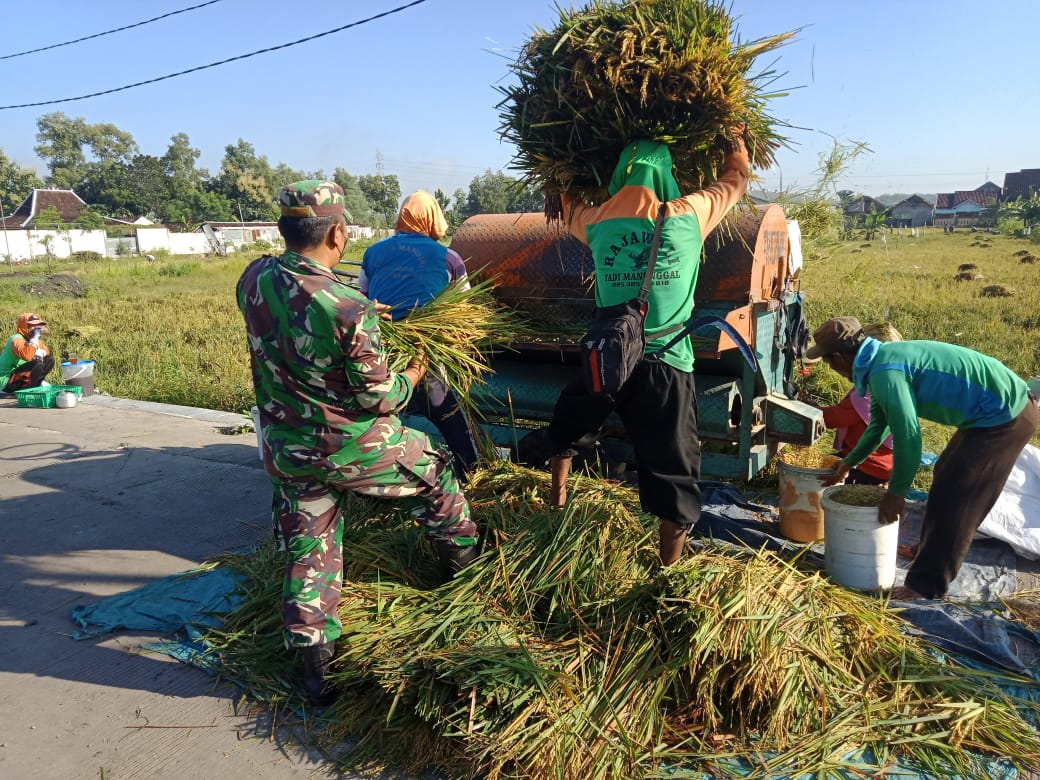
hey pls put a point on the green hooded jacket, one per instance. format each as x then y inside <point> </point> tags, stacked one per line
<point>620,231</point>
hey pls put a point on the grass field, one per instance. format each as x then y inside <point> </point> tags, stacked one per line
<point>912,283</point>
<point>166,331</point>
<point>170,331</point>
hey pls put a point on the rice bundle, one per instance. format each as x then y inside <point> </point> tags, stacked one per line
<point>566,651</point>
<point>611,73</point>
<point>453,332</point>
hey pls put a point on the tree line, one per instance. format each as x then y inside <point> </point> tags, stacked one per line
<point>106,168</point>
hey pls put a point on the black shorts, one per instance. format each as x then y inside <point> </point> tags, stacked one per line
<point>658,406</point>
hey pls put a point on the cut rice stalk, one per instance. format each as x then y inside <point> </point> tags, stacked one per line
<point>611,73</point>
<point>566,651</point>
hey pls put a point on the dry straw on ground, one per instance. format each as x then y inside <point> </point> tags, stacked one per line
<point>611,73</point>
<point>565,651</point>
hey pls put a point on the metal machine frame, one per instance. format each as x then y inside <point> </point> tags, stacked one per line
<point>743,414</point>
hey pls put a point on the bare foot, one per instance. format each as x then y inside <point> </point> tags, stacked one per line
<point>903,593</point>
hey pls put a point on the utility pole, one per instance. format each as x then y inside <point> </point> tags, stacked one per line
<point>382,188</point>
<point>3,224</point>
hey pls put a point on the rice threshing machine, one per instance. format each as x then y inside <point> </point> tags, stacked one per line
<point>744,411</point>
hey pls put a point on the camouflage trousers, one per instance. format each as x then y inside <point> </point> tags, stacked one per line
<point>309,515</point>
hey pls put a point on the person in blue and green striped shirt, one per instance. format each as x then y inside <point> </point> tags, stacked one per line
<point>988,403</point>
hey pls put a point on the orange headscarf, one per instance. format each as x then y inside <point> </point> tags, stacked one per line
<point>29,320</point>
<point>421,213</point>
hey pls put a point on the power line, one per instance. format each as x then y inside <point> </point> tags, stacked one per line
<point>107,32</point>
<point>219,62</point>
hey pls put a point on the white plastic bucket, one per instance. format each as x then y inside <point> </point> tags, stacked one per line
<point>859,552</point>
<point>79,374</point>
<point>255,413</point>
<point>801,515</point>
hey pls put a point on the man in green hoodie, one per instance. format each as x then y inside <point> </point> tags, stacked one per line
<point>990,406</point>
<point>658,404</point>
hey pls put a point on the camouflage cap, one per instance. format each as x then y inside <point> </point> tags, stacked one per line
<point>313,198</point>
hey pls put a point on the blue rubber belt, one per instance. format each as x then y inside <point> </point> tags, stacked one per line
<point>693,325</point>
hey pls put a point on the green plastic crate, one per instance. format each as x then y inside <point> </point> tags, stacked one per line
<point>44,397</point>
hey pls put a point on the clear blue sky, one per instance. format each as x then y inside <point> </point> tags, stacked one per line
<point>945,93</point>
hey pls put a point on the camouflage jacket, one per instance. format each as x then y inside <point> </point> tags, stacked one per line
<point>326,394</point>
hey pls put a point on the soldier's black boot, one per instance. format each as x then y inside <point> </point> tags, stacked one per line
<point>316,662</point>
<point>454,558</point>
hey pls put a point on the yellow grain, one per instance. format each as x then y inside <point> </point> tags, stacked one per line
<point>807,458</point>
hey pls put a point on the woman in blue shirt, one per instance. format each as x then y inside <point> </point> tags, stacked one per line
<point>405,272</point>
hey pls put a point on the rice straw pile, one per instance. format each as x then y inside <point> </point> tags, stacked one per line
<point>566,652</point>
<point>612,73</point>
<point>454,332</point>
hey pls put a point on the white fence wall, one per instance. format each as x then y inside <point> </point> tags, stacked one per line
<point>234,237</point>
<point>25,245</point>
<point>90,241</point>
<point>29,244</point>
<point>19,245</point>
<point>150,239</point>
<point>189,244</point>
<point>15,245</point>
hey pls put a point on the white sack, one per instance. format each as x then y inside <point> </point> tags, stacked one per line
<point>1015,518</point>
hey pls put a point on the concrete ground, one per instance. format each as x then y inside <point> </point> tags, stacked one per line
<point>97,500</point>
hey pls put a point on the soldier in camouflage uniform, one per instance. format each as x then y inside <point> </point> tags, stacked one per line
<point>328,414</point>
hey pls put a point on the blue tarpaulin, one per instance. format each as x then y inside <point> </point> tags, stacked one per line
<point>191,598</point>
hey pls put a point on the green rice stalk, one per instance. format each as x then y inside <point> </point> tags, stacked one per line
<point>610,73</point>
<point>454,332</point>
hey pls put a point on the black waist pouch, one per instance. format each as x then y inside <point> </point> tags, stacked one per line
<point>613,346</point>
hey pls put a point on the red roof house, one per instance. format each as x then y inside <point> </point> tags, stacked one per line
<point>69,205</point>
